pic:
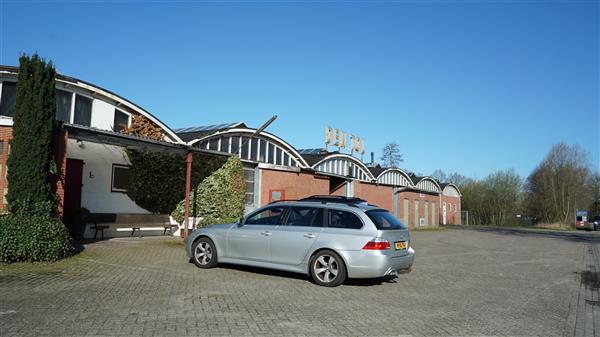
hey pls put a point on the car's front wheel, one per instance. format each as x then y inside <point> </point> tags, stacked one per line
<point>327,269</point>
<point>205,253</point>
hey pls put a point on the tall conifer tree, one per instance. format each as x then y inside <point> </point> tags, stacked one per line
<point>31,153</point>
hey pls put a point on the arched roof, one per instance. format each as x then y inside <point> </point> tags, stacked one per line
<point>269,138</point>
<point>98,92</point>
<point>334,164</point>
<point>451,189</point>
<point>394,176</point>
<point>428,184</point>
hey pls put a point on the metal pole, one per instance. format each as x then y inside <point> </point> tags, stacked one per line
<point>188,183</point>
<point>259,130</point>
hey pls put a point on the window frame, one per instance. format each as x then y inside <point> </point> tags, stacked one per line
<point>2,88</point>
<point>74,104</point>
<point>112,178</point>
<point>327,218</point>
<point>115,116</point>
<point>282,216</point>
<point>324,218</point>
<point>71,105</point>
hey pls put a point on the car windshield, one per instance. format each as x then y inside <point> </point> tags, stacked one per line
<point>383,220</point>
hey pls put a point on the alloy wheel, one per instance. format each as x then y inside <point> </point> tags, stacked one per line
<point>326,268</point>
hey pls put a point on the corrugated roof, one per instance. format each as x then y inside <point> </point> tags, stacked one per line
<point>376,170</point>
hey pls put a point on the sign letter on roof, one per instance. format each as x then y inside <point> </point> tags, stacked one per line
<point>336,137</point>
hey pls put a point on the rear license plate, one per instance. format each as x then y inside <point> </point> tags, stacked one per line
<point>400,245</point>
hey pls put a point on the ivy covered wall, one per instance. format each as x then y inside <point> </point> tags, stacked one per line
<point>157,180</point>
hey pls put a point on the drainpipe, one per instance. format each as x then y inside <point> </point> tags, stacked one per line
<point>188,182</point>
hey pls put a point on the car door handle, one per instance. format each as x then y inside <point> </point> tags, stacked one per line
<point>309,235</point>
<point>266,233</point>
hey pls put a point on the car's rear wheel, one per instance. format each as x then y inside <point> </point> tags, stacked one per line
<point>327,268</point>
<point>205,253</point>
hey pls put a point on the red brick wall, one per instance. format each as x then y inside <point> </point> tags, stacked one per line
<point>379,195</point>
<point>295,185</point>
<point>421,198</point>
<point>60,157</point>
<point>452,210</point>
<point>5,137</point>
<point>299,185</point>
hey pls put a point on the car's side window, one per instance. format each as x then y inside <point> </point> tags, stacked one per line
<point>269,216</point>
<point>305,217</point>
<point>343,219</point>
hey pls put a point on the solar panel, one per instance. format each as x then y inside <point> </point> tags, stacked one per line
<point>310,151</point>
<point>214,127</point>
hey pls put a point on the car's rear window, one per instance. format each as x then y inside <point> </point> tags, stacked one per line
<point>383,220</point>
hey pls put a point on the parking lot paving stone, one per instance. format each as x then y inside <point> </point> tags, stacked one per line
<point>464,283</point>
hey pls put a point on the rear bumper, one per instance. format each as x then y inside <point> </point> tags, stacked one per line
<point>368,264</point>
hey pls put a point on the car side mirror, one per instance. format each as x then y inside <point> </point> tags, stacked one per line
<point>241,222</point>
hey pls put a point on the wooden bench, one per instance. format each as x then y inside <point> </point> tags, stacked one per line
<point>101,221</point>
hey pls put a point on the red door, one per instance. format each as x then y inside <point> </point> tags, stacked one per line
<point>72,204</point>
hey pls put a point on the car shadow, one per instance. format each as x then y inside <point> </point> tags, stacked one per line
<point>291,275</point>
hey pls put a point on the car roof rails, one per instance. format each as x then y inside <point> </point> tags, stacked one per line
<point>281,200</point>
<point>335,199</point>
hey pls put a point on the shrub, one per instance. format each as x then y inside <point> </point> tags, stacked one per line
<point>219,198</point>
<point>33,238</point>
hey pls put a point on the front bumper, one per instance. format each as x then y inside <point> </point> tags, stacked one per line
<point>369,264</point>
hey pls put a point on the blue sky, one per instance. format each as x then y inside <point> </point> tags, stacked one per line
<point>465,86</point>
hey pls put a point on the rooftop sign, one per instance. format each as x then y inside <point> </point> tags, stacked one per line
<point>337,137</point>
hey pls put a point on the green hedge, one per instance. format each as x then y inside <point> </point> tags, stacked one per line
<point>219,198</point>
<point>157,180</point>
<point>33,238</point>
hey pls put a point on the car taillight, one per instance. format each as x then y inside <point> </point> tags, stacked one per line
<point>377,244</point>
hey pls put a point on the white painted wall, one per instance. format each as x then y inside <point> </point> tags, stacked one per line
<point>103,115</point>
<point>96,192</point>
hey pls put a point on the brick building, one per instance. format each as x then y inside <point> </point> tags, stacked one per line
<point>89,152</point>
<point>275,170</point>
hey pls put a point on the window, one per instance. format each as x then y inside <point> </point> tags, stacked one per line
<point>271,151</point>
<point>269,216</point>
<point>121,121</point>
<point>235,144</point>
<point>253,148</point>
<point>275,195</point>
<point>384,220</point>
<point>1,147</point>
<point>343,219</point>
<point>63,105</point>
<point>246,145</point>
<point>83,111</point>
<point>8,98</point>
<point>120,178</point>
<point>262,151</point>
<point>305,217</point>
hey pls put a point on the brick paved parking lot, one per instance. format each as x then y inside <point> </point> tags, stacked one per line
<point>464,282</point>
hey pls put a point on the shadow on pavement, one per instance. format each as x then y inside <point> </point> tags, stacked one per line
<point>285,274</point>
<point>575,236</point>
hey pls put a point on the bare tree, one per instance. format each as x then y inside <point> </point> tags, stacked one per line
<point>559,185</point>
<point>391,156</point>
<point>594,185</point>
<point>455,178</point>
<point>494,200</point>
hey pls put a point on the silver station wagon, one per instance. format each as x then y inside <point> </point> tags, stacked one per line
<point>327,237</point>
